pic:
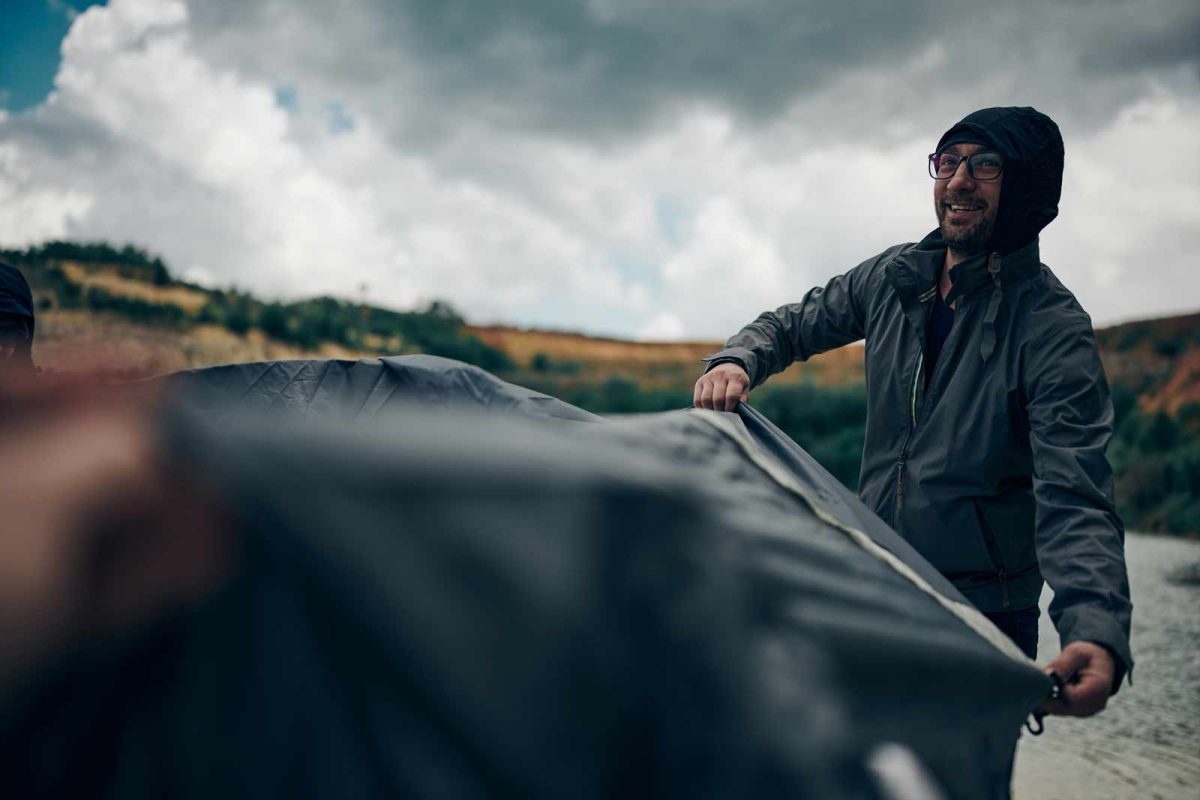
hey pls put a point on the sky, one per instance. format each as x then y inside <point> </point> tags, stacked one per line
<point>652,169</point>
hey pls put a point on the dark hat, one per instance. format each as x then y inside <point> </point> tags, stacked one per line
<point>15,298</point>
<point>1033,167</point>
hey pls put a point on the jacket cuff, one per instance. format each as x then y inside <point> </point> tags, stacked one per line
<point>1092,624</point>
<point>734,355</point>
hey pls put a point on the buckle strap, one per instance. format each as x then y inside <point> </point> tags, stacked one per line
<point>987,344</point>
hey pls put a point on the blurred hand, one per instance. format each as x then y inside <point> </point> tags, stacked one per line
<point>101,530</point>
<point>1087,670</point>
<point>722,388</point>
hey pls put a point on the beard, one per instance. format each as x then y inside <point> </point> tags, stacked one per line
<point>967,240</point>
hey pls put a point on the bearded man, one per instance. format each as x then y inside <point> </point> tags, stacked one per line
<point>988,408</point>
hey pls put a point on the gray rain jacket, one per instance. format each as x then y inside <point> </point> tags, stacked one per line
<point>996,473</point>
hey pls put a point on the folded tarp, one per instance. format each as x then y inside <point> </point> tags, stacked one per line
<point>453,586</point>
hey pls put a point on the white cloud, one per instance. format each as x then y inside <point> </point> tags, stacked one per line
<point>165,129</point>
<point>32,213</point>
<point>662,327</point>
<point>1130,214</point>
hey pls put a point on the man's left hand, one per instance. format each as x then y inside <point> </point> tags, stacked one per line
<point>1087,671</point>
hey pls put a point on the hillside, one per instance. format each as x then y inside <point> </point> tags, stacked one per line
<point>653,364</point>
<point>120,307</point>
<point>119,312</point>
<point>1157,359</point>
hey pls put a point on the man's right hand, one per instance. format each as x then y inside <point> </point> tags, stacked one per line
<point>722,388</point>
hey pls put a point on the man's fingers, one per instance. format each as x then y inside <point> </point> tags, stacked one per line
<point>734,391</point>
<point>1083,699</point>
<point>717,402</point>
<point>1086,670</point>
<point>1089,696</point>
<point>722,388</point>
<point>1068,663</point>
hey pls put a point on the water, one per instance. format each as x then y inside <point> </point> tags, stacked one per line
<point>1146,744</point>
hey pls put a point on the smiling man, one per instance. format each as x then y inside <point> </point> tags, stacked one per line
<point>989,412</point>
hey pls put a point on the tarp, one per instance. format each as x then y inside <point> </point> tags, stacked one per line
<point>453,586</point>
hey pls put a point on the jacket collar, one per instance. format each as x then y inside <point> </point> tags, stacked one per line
<point>983,270</point>
<point>914,272</point>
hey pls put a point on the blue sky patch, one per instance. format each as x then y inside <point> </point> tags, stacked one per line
<point>287,98</point>
<point>30,48</point>
<point>340,120</point>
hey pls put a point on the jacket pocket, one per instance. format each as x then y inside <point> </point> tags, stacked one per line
<point>1004,568</point>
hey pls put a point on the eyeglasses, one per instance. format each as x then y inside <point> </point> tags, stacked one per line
<point>980,166</point>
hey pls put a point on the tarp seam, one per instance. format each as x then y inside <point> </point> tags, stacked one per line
<point>970,615</point>
<point>292,378</point>
<point>257,378</point>
<point>383,369</point>
<point>320,384</point>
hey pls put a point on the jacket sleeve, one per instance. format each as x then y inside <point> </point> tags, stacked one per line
<point>827,317</point>
<point>1080,539</point>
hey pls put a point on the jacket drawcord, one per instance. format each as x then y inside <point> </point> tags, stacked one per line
<point>988,342</point>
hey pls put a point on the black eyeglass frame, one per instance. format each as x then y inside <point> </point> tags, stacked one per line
<point>970,165</point>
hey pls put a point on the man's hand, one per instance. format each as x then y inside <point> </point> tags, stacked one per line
<point>722,388</point>
<point>1087,671</point>
<point>102,530</point>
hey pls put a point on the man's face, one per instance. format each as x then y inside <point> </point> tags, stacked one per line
<point>966,208</point>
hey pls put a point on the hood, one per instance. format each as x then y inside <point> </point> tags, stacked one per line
<point>15,298</point>
<point>1033,167</point>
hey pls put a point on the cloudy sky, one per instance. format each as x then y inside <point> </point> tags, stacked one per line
<point>657,169</point>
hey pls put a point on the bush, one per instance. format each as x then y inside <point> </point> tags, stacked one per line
<point>543,364</point>
<point>274,321</point>
<point>1169,348</point>
<point>1156,462</point>
<point>133,308</point>
<point>828,423</point>
<point>237,319</point>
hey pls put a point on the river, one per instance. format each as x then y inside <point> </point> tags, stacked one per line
<point>1146,744</point>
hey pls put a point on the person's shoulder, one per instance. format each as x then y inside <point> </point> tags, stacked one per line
<point>875,267</point>
<point>894,252</point>
<point>1051,310</point>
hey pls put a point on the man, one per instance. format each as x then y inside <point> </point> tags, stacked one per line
<point>989,412</point>
<point>16,322</point>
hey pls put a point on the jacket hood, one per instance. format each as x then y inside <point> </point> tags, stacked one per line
<point>15,298</point>
<point>1033,167</point>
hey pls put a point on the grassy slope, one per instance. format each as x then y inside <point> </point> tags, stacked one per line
<point>78,339</point>
<point>1157,359</point>
<point>653,364</point>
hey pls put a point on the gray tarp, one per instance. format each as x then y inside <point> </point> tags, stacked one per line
<point>455,586</point>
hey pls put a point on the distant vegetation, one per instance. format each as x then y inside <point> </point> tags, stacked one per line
<point>128,260</point>
<point>438,329</point>
<point>1155,450</point>
<point>1156,458</point>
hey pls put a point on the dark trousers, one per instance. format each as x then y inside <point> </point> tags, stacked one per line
<point>1020,625</point>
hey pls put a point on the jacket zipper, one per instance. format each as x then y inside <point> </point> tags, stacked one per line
<point>989,541</point>
<point>913,417</point>
<point>912,426</point>
<point>993,548</point>
<point>915,387</point>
